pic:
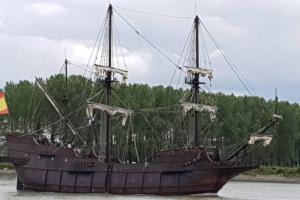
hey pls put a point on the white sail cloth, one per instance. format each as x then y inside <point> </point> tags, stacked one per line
<point>101,71</point>
<point>201,71</point>
<point>187,106</point>
<point>277,117</point>
<point>109,109</point>
<point>265,138</point>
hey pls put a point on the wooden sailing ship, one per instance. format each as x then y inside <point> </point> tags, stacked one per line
<point>43,166</point>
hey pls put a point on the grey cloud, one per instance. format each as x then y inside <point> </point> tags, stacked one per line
<point>261,37</point>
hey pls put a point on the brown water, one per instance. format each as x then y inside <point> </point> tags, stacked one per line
<point>231,191</point>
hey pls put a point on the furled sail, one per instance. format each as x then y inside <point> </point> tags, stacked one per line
<point>101,71</point>
<point>187,106</point>
<point>111,110</point>
<point>277,117</point>
<point>265,138</point>
<point>201,71</point>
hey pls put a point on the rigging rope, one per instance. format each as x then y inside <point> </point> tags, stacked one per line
<point>80,67</point>
<point>30,104</point>
<point>205,47</point>
<point>37,110</point>
<point>95,44</point>
<point>118,37</point>
<point>153,14</point>
<point>234,68</point>
<point>229,62</point>
<point>158,108</point>
<point>123,156</point>
<point>95,95</point>
<point>181,54</point>
<point>61,119</point>
<point>134,141</point>
<point>146,40</point>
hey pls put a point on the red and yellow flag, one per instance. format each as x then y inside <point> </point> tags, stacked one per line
<point>3,105</point>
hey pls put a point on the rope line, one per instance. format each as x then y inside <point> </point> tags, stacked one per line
<point>94,47</point>
<point>181,54</point>
<point>229,62</point>
<point>153,14</point>
<point>146,40</point>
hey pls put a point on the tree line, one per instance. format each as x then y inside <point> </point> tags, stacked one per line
<point>157,122</point>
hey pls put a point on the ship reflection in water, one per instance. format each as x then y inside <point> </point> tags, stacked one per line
<point>231,191</point>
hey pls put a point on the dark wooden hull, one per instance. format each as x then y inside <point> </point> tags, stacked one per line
<point>172,172</point>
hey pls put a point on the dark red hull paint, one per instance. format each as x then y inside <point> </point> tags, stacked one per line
<point>172,172</point>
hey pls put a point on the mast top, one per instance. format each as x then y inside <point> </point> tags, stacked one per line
<point>195,68</point>
<point>197,19</point>
<point>108,71</point>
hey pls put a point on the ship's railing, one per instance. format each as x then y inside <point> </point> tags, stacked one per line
<point>15,161</point>
<point>234,164</point>
<point>186,149</point>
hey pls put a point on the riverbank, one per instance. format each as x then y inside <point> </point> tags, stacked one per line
<point>271,174</point>
<point>7,172</point>
<point>7,169</point>
<point>267,178</point>
<point>281,171</point>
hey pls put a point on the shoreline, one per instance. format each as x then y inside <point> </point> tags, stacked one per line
<point>240,178</point>
<point>267,178</point>
<point>7,172</point>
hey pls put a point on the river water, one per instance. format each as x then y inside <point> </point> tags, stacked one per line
<point>231,191</point>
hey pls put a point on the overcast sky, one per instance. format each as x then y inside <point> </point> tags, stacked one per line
<point>262,37</point>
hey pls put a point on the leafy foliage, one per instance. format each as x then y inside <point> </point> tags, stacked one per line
<point>157,122</point>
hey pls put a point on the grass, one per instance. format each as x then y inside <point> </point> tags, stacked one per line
<point>6,166</point>
<point>281,171</point>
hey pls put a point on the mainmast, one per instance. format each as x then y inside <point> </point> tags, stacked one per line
<point>65,99</point>
<point>276,102</point>
<point>108,82</point>
<point>108,74</point>
<point>196,79</point>
<point>66,87</point>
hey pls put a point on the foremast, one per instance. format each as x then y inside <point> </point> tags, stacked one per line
<point>108,82</point>
<point>194,72</point>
